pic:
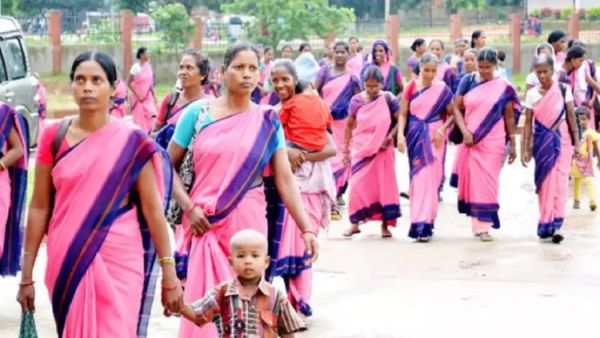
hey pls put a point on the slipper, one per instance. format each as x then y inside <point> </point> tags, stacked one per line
<point>351,233</point>
<point>387,235</point>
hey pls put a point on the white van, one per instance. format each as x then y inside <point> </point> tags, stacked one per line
<point>17,84</point>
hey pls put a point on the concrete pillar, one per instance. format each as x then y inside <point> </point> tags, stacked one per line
<point>198,32</point>
<point>54,33</point>
<point>455,27</point>
<point>573,26</point>
<point>126,25</point>
<point>392,33</point>
<point>515,29</point>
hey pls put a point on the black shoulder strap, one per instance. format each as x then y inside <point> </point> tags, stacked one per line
<point>60,136</point>
<point>173,98</point>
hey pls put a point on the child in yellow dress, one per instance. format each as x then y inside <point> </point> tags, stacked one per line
<point>582,170</point>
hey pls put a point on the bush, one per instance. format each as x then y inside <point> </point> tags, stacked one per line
<point>565,13</point>
<point>593,13</point>
<point>176,27</point>
<point>546,12</point>
<point>556,13</point>
<point>537,13</point>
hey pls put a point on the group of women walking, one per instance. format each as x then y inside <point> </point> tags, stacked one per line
<point>228,163</point>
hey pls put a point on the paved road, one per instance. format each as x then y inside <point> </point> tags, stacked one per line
<point>454,286</point>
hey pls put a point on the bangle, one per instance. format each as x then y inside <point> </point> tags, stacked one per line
<point>440,132</point>
<point>512,136</point>
<point>2,165</point>
<point>25,253</point>
<point>167,260</point>
<point>304,232</point>
<point>171,288</point>
<point>189,209</point>
<point>23,284</point>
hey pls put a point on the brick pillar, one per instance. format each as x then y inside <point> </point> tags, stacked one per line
<point>515,29</point>
<point>455,27</point>
<point>54,33</point>
<point>573,26</point>
<point>127,38</point>
<point>392,32</point>
<point>198,32</point>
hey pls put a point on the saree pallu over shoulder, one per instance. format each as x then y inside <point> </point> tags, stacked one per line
<point>426,107</point>
<point>97,217</point>
<point>337,92</point>
<point>490,97</point>
<point>165,134</point>
<point>10,252</point>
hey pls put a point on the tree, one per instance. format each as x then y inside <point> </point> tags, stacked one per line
<point>70,6</point>
<point>277,20</point>
<point>136,6</point>
<point>213,5</point>
<point>10,7</point>
<point>175,23</point>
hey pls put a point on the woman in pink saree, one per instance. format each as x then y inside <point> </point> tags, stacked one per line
<point>141,86</point>
<point>369,148</point>
<point>314,177</point>
<point>549,107</point>
<point>356,60</point>
<point>42,100</point>
<point>444,72</point>
<point>427,111</point>
<point>192,75</point>
<point>119,100</point>
<point>102,212</point>
<point>489,104</point>
<point>336,85</point>
<point>13,185</point>
<point>236,145</point>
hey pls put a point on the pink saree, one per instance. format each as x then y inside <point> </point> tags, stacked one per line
<point>337,93</point>
<point>315,180</point>
<point>446,74</point>
<point>477,168</point>
<point>553,152</point>
<point>230,156</point>
<point>13,186</point>
<point>373,187</point>
<point>427,114</point>
<point>144,111</point>
<point>355,64</point>
<point>119,100</point>
<point>102,276</point>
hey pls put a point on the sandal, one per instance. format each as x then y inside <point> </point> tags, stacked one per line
<point>351,232</point>
<point>385,232</point>
<point>335,215</point>
<point>423,239</point>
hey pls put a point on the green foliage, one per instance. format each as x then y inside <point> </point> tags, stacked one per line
<point>466,4</point>
<point>565,13</point>
<point>10,7</point>
<point>593,13</point>
<point>176,27</point>
<point>69,6</point>
<point>277,20</point>
<point>136,6</point>
<point>103,32</point>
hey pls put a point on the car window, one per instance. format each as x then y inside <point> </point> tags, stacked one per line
<point>14,58</point>
<point>3,77</point>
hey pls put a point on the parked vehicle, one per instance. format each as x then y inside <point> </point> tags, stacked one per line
<point>17,83</point>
